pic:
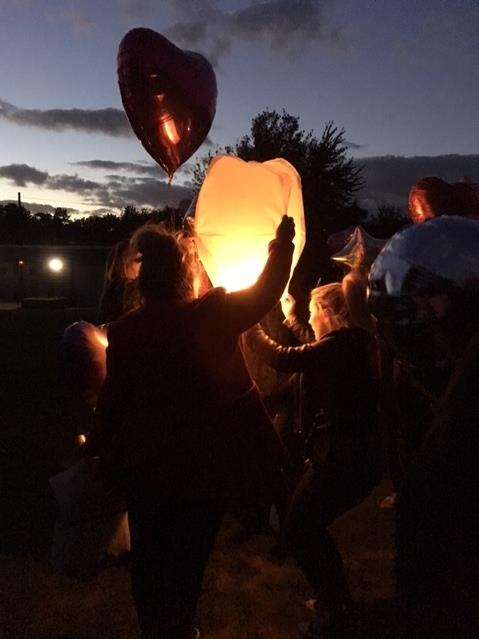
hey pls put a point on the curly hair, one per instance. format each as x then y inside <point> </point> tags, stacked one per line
<point>168,263</point>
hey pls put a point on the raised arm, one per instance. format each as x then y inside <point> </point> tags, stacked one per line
<point>248,306</point>
<point>290,358</point>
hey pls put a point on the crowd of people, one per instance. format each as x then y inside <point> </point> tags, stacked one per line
<point>388,361</point>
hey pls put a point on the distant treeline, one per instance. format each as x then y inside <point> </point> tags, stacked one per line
<point>19,226</point>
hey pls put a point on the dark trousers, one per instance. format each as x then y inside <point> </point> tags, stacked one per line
<point>171,541</point>
<point>321,497</point>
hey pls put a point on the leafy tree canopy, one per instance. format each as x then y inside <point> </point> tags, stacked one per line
<point>329,178</point>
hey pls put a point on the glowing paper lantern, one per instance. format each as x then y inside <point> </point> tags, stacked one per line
<point>239,208</point>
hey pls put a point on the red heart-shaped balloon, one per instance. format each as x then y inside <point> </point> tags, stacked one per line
<point>169,96</point>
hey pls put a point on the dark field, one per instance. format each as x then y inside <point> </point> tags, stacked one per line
<point>245,594</point>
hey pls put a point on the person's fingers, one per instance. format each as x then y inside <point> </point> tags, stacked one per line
<point>286,227</point>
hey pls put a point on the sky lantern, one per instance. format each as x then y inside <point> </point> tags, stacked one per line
<point>239,207</point>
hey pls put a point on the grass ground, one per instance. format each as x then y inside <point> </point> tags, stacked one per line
<point>246,596</point>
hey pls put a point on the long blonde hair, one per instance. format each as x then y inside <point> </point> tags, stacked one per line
<point>340,305</point>
<point>328,309</point>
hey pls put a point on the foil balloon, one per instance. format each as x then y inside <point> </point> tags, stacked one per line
<point>83,359</point>
<point>446,247</point>
<point>425,273</point>
<point>169,96</point>
<point>360,250</point>
<point>239,207</point>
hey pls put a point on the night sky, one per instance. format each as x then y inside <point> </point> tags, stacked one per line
<point>401,77</point>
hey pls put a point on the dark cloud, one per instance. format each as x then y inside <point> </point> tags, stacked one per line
<point>116,191</point>
<point>280,22</point>
<point>189,33</point>
<point>131,167</point>
<point>389,178</point>
<point>194,9</point>
<point>110,121</point>
<point>22,174</point>
<point>147,192</point>
<point>354,145</point>
<point>72,184</point>
<point>138,168</point>
<point>286,25</point>
<point>134,9</point>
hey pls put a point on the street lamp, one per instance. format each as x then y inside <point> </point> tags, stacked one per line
<point>55,264</point>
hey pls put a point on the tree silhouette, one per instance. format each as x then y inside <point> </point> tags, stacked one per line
<point>386,221</point>
<point>19,226</point>
<point>329,179</point>
<point>15,224</point>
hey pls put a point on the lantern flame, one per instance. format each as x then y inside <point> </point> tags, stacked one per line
<point>242,274</point>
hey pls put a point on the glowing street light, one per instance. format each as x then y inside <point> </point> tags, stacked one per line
<point>55,264</point>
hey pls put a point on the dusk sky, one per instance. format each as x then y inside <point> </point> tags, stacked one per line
<point>401,77</point>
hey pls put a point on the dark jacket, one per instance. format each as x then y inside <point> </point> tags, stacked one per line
<point>111,302</point>
<point>178,404</point>
<point>438,505</point>
<point>117,299</point>
<point>339,369</point>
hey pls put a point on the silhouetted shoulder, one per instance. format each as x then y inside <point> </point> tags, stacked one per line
<point>352,339</point>
<point>214,301</point>
<point>124,329</point>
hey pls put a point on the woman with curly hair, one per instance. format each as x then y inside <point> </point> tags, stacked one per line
<point>181,420</point>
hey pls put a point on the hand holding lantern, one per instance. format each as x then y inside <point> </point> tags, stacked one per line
<point>285,231</point>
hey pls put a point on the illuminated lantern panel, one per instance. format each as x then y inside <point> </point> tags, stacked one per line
<point>239,208</point>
